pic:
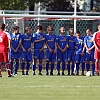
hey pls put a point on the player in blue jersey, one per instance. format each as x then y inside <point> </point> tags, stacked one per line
<point>15,48</point>
<point>71,51</point>
<point>61,50</point>
<point>39,40</point>
<point>88,41</point>
<point>27,43</point>
<point>51,50</point>
<point>79,53</point>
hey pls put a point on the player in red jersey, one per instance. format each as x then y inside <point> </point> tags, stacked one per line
<point>96,40</point>
<point>4,46</point>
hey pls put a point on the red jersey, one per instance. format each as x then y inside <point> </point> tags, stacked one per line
<point>3,42</point>
<point>97,39</point>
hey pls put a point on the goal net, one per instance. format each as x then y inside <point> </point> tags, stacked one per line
<point>81,23</point>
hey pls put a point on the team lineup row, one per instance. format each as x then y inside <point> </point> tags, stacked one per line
<point>76,50</point>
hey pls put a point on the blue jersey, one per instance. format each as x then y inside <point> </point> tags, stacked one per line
<point>79,43</point>
<point>51,39</point>
<point>62,41</point>
<point>15,38</point>
<point>88,41</point>
<point>38,36</point>
<point>27,40</point>
<point>71,42</point>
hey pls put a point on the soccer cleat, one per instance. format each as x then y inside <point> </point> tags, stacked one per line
<point>23,73</point>
<point>68,74</point>
<point>34,73</point>
<point>10,76</point>
<point>72,74</point>
<point>40,74</point>
<point>97,73</point>
<point>51,73</point>
<point>0,75</point>
<point>63,74</point>
<point>47,73</point>
<point>58,74</point>
<point>27,73</point>
<point>77,74</point>
<point>83,74</point>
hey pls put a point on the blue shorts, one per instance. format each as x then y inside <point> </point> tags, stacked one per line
<point>70,55</point>
<point>26,56</point>
<point>79,58</point>
<point>38,55</point>
<point>61,56</point>
<point>50,56</point>
<point>14,55</point>
<point>90,57</point>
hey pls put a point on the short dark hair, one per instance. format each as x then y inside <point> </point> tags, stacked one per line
<point>15,27</point>
<point>89,29</point>
<point>78,32</point>
<point>39,27</point>
<point>2,26</point>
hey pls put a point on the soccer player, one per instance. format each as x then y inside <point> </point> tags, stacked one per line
<point>79,56</point>
<point>39,40</point>
<point>61,50</point>
<point>51,50</point>
<point>89,45</point>
<point>97,49</point>
<point>71,51</point>
<point>27,43</point>
<point>15,52</point>
<point>4,45</point>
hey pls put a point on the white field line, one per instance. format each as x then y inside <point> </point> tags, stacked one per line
<point>52,86</point>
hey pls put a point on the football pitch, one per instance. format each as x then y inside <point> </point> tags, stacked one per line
<point>49,87</point>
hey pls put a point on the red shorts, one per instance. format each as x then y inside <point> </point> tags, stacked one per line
<point>4,57</point>
<point>96,54</point>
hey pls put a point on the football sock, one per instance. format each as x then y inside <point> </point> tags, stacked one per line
<point>47,66</point>
<point>72,68</point>
<point>40,68</point>
<point>52,67</point>
<point>77,67</point>
<point>11,64</point>
<point>16,67</point>
<point>87,67</point>
<point>63,66</point>
<point>68,68</point>
<point>97,66</point>
<point>93,68</point>
<point>34,67</point>
<point>83,67</point>
<point>58,66</point>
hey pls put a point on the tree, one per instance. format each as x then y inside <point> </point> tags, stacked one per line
<point>59,5</point>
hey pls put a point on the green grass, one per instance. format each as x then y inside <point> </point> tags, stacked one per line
<point>49,87</point>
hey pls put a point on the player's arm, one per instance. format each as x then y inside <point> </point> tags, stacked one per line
<point>42,48</point>
<point>59,47</point>
<point>49,47</point>
<point>83,50</point>
<point>11,46</point>
<point>31,47</point>
<point>91,48</point>
<point>55,48</point>
<point>18,46</point>
<point>39,40</point>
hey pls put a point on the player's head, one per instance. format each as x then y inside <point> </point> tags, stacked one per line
<point>16,29</point>
<point>89,31</point>
<point>62,30</point>
<point>98,27</point>
<point>39,28</point>
<point>2,26</point>
<point>71,31</point>
<point>78,34</point>
<point>27,30</point>
<point>49,29</point>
